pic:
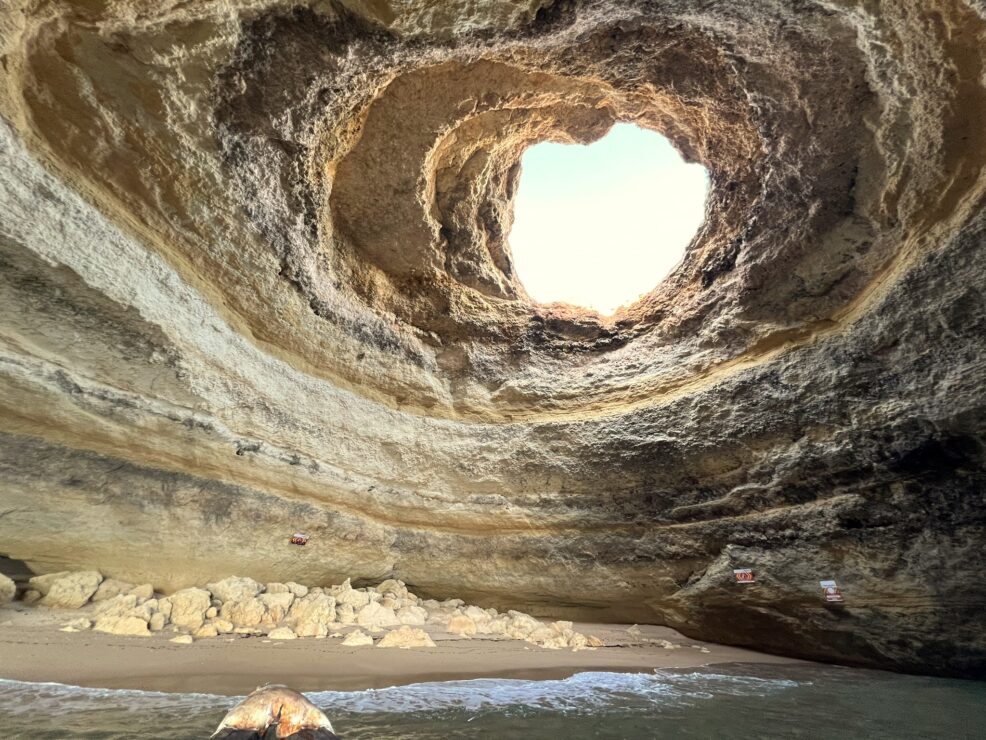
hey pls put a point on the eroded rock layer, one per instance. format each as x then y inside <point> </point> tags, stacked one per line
<point>255,279</point>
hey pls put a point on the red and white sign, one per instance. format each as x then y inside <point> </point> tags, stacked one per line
<point>744,575</point>
<point>830,590</point>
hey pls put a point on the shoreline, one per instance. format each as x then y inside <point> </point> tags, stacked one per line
<point>32,649</point>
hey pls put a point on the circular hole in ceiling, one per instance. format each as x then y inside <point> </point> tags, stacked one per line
<point>600,225</point>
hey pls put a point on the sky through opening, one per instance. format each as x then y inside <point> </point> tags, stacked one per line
<point>601,225</point>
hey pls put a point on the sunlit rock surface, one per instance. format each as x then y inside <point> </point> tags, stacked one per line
<point>254,281</point>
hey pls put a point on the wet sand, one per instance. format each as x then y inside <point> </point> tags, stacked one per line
<point>33,649</point>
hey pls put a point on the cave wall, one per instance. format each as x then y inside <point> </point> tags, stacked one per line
<point>254,279</point>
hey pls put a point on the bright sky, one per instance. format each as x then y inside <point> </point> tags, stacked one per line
<point>601,225</point>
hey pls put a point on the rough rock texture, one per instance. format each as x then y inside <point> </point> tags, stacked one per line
<point>254,280</point>
<point>72,590</point>
<point>8,589</point>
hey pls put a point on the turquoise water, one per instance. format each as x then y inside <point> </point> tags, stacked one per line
<point>740,701</point>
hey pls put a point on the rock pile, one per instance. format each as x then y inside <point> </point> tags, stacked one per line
<point>285,611</point>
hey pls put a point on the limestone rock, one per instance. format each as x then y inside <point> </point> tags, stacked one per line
<point>42,583</point>
<point>460,624</point>
<point>406,637</point>
<point>251,289</point>
<point>8,589</point>
<point>276,606</point>
<point>345,614</point>
<point>205,631</point>
<point>143,592</point>
<point>127,625</point>
<point>156,622</point>
<point>31,597</point>
<point>413,615</point>
<point>235,588</point>
<point>188,607</point>
<point>247,613</point>
<point>77,625</point>
<point>182,640</point>
<point>282,633</point>
<point>357,638</point>
<point>375,616</point>
<point>111,587</point>
<point>73,590</point>
<point>311,614</point>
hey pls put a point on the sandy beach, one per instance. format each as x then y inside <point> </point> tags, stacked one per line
<point>32,648</point>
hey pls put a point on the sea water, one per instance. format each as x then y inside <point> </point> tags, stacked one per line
<point>737,701</point>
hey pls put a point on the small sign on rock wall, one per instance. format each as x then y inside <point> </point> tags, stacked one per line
<point>744,575</point>
<point>299,539</point>
<point>831,591</point>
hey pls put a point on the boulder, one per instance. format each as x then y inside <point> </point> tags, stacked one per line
<point>143,592</point>
<point>345,614</point>
<point>222,626</point>
<point>460,624</point>
<point>128,625</point>
<point>235,588</point>
<point>211,612</point>
<point>247,613</point>
<point>72,591</point>
<point>282,633</point>
<point>375,616</point>
<point>276,605</point>
<point>31,597</point>
<point>277,588</point>
<point>311,629</point>
<point>42,583</point>
<point>311,614</point>
<point>8,589</point>
<point>77,625</point>
<point>406,637</point>
<point>354,598</point>
<point>297,589</point>
<point>188,607</point>
<point>413,615</point>
<point>357,639</point>
<point>206,630</point>
<point>111,587</point>
<point>182,640</point>
<point>156,622</point>
<point>117,606</point>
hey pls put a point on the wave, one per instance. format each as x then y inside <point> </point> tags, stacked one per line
<point>579,693</point>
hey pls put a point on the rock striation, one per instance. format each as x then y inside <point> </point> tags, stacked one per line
<point>255,280</point>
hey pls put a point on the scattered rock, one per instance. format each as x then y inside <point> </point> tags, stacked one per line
<point>406,637</point>
<point>109,588</point>
<point>282,633</point>
<point>31,597</point>
<point>143,592</point>
<point>235,588</point>
<point>375,616</point>
<point>206,630</point>
<point>128,625</point>
<point>297,589</point>
<point>460,624</point>
<point>77,625</point>
<point>73,590</point>
<point>413,615</point>
<point>311,614</point>
<point>188,607</point>
<point>594,642</point>
<point>156,622</point>
<point>357,639</point>
<point>276,606</point>
<point>211,612</point>
<point>42,583</point>
<point>247,613</point>
<point>182,640</point>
